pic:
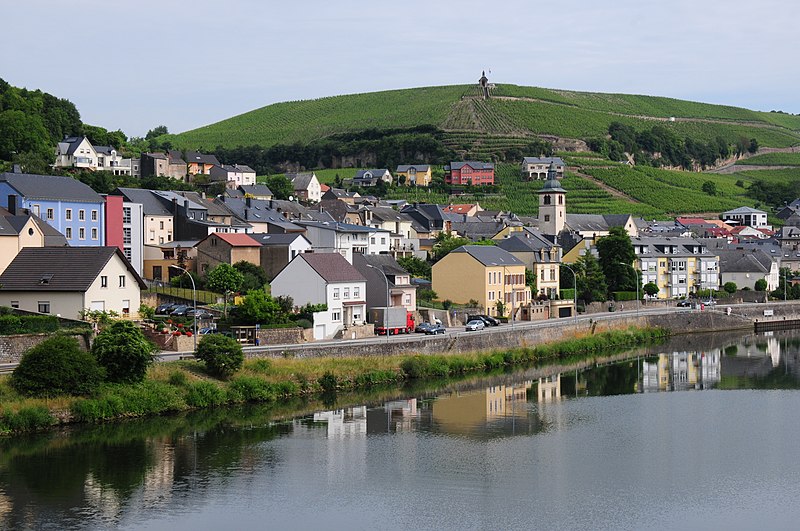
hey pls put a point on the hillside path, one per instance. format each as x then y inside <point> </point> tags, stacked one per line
<point>600,184</point>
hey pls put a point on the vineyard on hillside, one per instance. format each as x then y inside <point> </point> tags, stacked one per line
<point>773,159</point>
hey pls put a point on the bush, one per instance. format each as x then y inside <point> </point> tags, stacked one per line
<point>251,389</point>
<point>205,394</point>
<point>124,352</point>
<point>328,382</point>
<point>57,366</point>
<point>760,285</point>
<point>26,419</point>
<point>222,355</point>
<point>27,324</point>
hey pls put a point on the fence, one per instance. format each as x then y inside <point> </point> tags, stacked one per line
<point>205,297</point>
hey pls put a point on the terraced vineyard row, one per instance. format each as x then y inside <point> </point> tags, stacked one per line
<point>773,159</point>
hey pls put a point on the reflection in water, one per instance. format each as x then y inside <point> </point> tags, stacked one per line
<point>113,475</point>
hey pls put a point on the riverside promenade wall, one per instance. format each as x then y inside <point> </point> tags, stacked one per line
<point>678,321</point>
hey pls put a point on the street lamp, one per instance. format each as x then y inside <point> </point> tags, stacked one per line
<point>635,274</point>
<point>388,302</point>
<point>574,292</point>
<point>194,302</point>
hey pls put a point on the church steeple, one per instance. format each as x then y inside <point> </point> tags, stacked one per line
<point>552,204</point>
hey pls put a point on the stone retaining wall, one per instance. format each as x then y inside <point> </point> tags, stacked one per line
<point>13,347</point>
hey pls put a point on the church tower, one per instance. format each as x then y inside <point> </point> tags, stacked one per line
<point>552,204</point>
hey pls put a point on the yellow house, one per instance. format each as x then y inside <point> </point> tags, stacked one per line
<point>678,266</point>
<point>484,273</point>
<point>18,231</point>
<point>416,174</point>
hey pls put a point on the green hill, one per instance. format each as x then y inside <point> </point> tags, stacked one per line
<point>512,114</point>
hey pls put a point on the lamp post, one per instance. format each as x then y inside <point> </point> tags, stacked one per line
<point>636,274</point>
<point>574,293</point>
<point>194,302</point>
<point>388,302</point>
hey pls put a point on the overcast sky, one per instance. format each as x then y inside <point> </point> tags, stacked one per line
<point>134,65</point>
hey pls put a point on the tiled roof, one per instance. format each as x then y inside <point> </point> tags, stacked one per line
<point>59,268</point>
<point>151,206</point>
<point>419,167</point>
<point>332,267</point>
<point>489,255</point>
<point>472,164</point>
<point>236,240</point>
<point>543,160</point>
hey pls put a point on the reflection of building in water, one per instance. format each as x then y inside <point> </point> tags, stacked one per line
<point>394,416</point>
<point>343,422</point>
<point>5,510</point>
<point>680,371</point>
<point>159,479</point>
<point>459,413</point>
<point>774,350</point>
<point>548,389</point>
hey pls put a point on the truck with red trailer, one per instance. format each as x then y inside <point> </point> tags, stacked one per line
<point>392,320</point>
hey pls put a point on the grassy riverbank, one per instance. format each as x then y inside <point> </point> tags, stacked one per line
<point>184,385</point>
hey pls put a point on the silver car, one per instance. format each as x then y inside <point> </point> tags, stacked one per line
<point>475,325</point>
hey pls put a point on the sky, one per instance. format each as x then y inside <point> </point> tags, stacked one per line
<point>135,65</point>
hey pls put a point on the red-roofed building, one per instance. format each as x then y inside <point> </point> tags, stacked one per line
<point>469,172</point>
<point>226,248</point>
<point>465,209</point>
<point>743,232</point>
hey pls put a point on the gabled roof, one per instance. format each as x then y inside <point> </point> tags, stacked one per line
<point>278,239</point>
<point>51,187</point>
<point>300,181</point>
<point>59,268</point>
<point>743,210</point>
<point>522,243</point>
<point>151,206</point>
<point>70,144</point>
<point>337,209</point>
<point>743,261</point>
<point>387,214</point>
<point>475,165</point>
<point>543,160</point>
<point>256,190</point>
<point>234,239</point>
<point>376,173</point>
<point>169,196</point>
<point>105,150</point>
<point>419,167</point>
<point>244,168</point>
<point>332,267</point>
<point>458,209</point>
<point>201,158</point>
<point>489,255</point>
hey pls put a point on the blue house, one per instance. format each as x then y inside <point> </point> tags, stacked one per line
<point>66,204</point>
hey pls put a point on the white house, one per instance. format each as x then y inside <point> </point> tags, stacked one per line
<point>235,175</point>
<point>67,280</point>
<point>76,152</point>
<point>746,216</point>
<point>345,238</point>
<point>325,278</point>
<point>306,186</point>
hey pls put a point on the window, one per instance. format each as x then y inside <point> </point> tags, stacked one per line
<point>336,316</point>
<point>372,240</point>
<point>383,241</point>
<point>546,218</point>
<point>94,215</point>
<point>15,304</point>
<point>122,281</point>
<point>94,233</point>
<point>152,235</point>
<point>126,235</point>
<point>161,225</point>
<point>127,253</point>
<point>103,281</point>
<point>68,214</point>
<point>82,233</point>
<point>68,233</point>
<point>346,293</point>
<point>213,242</point>
<point>126,214</point>
<point>356,292</point>
<point>335,293</point>
<point>81,215</point>
<point>44,306</point>
<point>50,213</point>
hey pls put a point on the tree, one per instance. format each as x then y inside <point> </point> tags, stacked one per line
<point>222,355</point>
<point>591,280</point>
<point>616,252</point>
<point>224,279</point>
<point>650,289</point>
<point>710,188</point>
<point>254,276</point>
<point>57,366</point>
<point>259,308</point>
<point>22,133</point>
<point>124,352</point>
<point>446,242</point>
<point>415,266</point>
<point>729,287</point>
<point>280,186</point>
<point>760,285</point>
<point>156,131</point>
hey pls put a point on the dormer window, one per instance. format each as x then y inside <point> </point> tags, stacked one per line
<point>45,279</point>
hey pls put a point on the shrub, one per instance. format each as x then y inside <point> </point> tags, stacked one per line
<point>124,352</point>
<point>26,419</point>
<point>222,355</point>
<point>251,389</point>
<point>761,285</point>
<point>27,324</point>
<point>261,365</point>
<point>57,366</point>
<point>328,382</point>
<point>178,378</point>
<point>205,394</point>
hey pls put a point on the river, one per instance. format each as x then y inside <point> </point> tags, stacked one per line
<point>699,433</point>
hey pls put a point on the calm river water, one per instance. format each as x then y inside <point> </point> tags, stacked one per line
<point>700,433</point>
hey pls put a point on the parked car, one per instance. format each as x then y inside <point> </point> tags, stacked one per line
<point>685,303</point>
<point>180,310</point>
<point>207,330</point>
<point>423,328</point>
<point>709,302</point>
<point>488,320</point>
<point>475,325</point>
<point>199,313</point>
<point>164,309</point>
<point>436,329</point>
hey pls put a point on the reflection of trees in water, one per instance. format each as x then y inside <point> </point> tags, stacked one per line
<point>617,379</point>
<point>94,473</point>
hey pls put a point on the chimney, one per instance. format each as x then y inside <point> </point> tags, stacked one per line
<point>16,168</point>
<point>247,201</point>
<point>12,204</point>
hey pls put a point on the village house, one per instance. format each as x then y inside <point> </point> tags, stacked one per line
<point>483,273</point>
<point>325,278</point>
<point>22,229</point>
<point>66,281</point>
<point>368,178</point>
<point>233,175</point>
<point>345,239</point>
<point>535,168</point>
<point>413,174</point>
<point>306,186</point>
<point>469,173</point>
<point>66,204</point>
<point>387,282</point>
<point>168,164</point>
<point>277,250</point>
<point>199,163</point>
<point>540,255</point>
<point>746,267</point>
<point>678,266</point>
<point>746,216</point>
<point>224,248</point>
